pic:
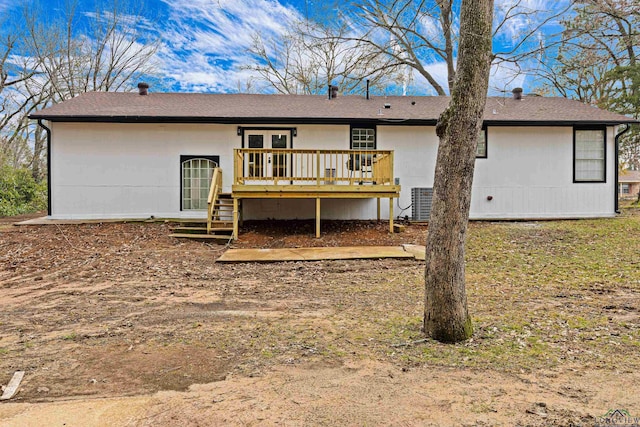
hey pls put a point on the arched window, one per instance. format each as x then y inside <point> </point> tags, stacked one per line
<point>196,173</point>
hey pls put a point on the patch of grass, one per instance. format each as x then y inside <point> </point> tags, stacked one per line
<point>536,292</point>
<point>70,336</point>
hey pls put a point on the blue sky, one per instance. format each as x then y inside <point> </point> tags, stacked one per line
<point>206,41</point>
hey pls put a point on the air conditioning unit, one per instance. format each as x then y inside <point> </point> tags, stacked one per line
<point>421,203</point>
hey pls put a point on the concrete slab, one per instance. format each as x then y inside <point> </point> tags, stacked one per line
<point>48,221</point>
<point>314,254</point>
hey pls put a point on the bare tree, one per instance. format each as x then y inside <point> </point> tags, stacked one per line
<point>108,56</point>
<point>420,33</point>
<point>311,55</point>
<point>446,317</point>
<point>56,57</point>
<point>597,62</point>
<point>15,71</point>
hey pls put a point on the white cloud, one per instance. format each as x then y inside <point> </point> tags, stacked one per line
<point>5,4</point>
<point>503,78</point>
<point>206,41</point>
<point>518,18</point>
<point>430,27</point>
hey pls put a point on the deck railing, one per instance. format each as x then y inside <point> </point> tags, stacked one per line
<point>312,167</point>
<point>214,191</point>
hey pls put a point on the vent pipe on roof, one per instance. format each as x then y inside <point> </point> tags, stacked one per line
<point>367,88</point>
<point>517,93</point>
<point>334,91</point>
<point>143,88</point>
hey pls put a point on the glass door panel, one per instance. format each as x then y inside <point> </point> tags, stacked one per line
<point>256,165</point>
<point>279,165</point>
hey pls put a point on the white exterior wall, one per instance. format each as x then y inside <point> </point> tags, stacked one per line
<point>114,170</point>
<point>102,171</point>
<point>529,174</point>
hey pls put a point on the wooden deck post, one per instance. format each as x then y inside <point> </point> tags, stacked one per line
<point>235,218</point>
<point>317,217</point>
<point>390,214</point>
<point>318,169</point>
<point>378,202</point>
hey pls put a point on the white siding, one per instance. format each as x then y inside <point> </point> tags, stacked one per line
<point>529,174</point>
<point>129,170</point>
<point>132,171</point>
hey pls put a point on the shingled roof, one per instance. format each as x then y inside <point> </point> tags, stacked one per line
<point>298,109</point>
<point>629,176</point>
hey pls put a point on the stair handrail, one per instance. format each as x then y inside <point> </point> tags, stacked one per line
<point>214,191</point>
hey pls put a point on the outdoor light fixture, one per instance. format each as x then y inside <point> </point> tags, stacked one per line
<point>239,130</point>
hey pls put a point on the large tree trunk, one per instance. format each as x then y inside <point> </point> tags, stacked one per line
<point>446,317</point>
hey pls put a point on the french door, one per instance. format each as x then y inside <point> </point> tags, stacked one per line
<point>273,165</point>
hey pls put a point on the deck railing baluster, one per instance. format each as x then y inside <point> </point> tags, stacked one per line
<point>315,167</point>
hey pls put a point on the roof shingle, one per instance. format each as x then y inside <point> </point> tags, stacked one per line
<point>238,108</point>
<point>629,176</point>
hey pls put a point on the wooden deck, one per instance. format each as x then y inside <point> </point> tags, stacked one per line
<point>308,174</point>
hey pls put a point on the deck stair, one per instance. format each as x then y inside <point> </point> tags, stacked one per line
<point>219,223</point>
<point>295,174</point>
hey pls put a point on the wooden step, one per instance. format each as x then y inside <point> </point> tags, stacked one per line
<point>201,230</point>
<point>192,222</point>
<point>218,229</point>
<point>216,237</point>
<point>196,230</point>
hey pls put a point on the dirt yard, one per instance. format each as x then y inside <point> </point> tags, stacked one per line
<point>119,324</point>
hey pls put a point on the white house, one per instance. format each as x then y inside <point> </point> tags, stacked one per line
<point>136,155</point>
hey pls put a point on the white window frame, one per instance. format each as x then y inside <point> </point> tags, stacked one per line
<point>194,197</point>
<point>583,156</point>
<point>363,138</point>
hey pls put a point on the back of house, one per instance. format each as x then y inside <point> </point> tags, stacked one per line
<point>137,155</point>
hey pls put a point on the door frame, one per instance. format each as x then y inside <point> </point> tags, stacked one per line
<point>243,131</point>
<point>293,132</point>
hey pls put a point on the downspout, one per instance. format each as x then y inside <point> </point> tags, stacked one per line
<point>48,165</point>
<point>617,172</point>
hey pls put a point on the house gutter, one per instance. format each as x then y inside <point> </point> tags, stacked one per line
<point>617,172</point>
<point>48,165</point>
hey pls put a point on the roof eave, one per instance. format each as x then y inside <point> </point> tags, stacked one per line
<point>231,120</point>
<point>539,123</point>
<point>314,120</point>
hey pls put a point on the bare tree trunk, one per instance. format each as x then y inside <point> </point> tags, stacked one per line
<point>446,317</point>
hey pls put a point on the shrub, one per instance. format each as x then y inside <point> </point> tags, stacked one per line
<point>20,193</point>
